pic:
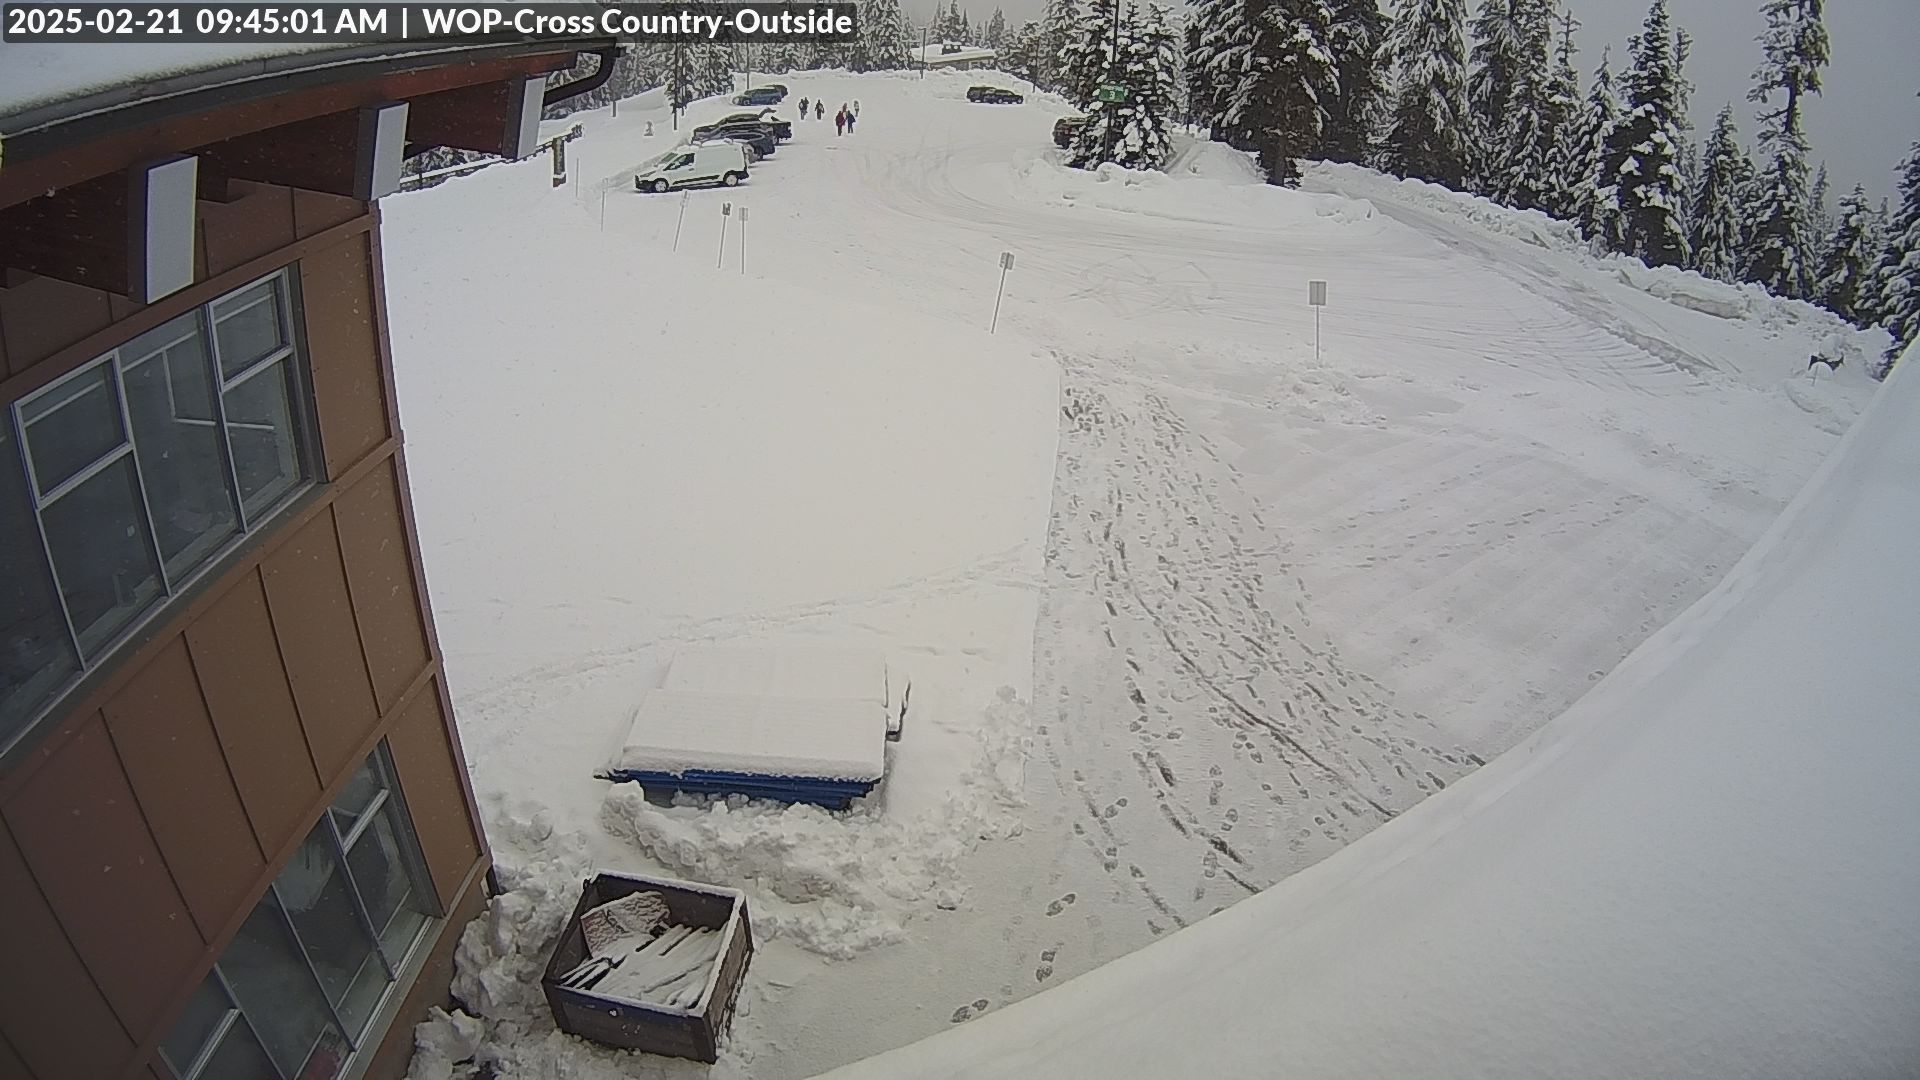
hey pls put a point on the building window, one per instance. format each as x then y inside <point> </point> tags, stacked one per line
<point>296,991</point>
<point>123,481</point>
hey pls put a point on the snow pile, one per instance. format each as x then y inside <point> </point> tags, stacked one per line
<point>1206,195</point>
<point>509,1030</point>
<point>1531,226</point>
<point>1211,160</point>
<point>1709,866</point>
<point>837,884</point>
<point>675,731</point>
<point>1690,289</point>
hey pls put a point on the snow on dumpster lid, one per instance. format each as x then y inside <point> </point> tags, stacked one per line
<point>675,731</point>
<point>780,671</point>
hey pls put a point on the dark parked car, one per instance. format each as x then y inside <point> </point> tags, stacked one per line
<point>1065,128</point>
<point>993,95</point>
<point>781,128</point>
<point>759,141</point>
<point>762,95</point>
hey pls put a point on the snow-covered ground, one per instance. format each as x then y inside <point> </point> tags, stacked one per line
<point>1709,866</point>
<point>1193,606</point>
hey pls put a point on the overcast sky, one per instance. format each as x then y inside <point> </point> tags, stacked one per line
<point>1862,124</point>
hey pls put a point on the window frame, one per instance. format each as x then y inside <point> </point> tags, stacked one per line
<point>175,585</point>
<point>397,969</point>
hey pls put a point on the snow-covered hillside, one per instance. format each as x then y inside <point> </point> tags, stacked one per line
<point>1194,605</point>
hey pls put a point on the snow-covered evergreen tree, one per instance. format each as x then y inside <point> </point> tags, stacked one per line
<point>1595,194</point>
<point>1091,51</point>
<point>1643,157</point>
<point>1900,267</point>
<point>712,70</point>
<point>1494,65</point>
<point>1428,133</point>
<point>1358,30</point>
<point>1134,133</point>
<point>1868,304</point>
<point>949,27</point>
<point>996,37</point>
<point>1847,270</point>
<point>1219,49</point>
<point>681,77</point>
<point>1290,75</point>
<point>886,42</point>
<point>1059,30</point>
<point>1820,209</point>
<point>1522,147</point>
<point>1563,99</point>
<point>1021,54</point>
<point>1717,225</point>
<point>1795,48</point>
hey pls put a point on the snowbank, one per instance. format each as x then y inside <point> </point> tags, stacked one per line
<point>1208,189</point>
<point>838,884</point>
<point>1709,866</point>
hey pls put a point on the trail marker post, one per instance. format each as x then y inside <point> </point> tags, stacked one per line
<point>680,222</point>
<point>1006,264</point>
<point>743,240</point>
<point>726,211</point>
<point>1316,299</point>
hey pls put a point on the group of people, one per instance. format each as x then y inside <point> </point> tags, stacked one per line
<point>842,120</point>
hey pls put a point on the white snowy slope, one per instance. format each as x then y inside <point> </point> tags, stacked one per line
<point>1188,606</point>
<point>1708,867</point>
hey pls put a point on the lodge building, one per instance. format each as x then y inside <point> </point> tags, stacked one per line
<point>237,836</point>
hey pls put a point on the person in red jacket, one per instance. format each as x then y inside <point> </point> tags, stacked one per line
<point>840,121</point>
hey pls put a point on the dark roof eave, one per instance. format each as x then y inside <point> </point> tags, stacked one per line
<point>45,128</point>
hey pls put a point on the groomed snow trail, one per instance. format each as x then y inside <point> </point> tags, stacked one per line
<point>1285,596</point>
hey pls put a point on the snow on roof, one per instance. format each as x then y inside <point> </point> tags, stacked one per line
<point>32,75</point>
<point>932,54</point>
<point>1708,866</point>
<point>675,731</point>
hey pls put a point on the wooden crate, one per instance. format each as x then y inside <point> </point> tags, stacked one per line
<point>657,1029</point>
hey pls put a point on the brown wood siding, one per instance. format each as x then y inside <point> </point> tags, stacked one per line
<point>253,713</point>
<point>85,842</point>
<point>380,576</point>
<point>432,789</point>
<point>336,291</point>
<point>259,221</point>
<point>314,211</point>
<point>50,1009</point>
<point>313,620</point>
<point>39,316</point>
<point>166,740</point>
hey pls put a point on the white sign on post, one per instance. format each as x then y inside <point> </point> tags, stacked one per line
<point>1006,264</point>
<point>1317,298</point>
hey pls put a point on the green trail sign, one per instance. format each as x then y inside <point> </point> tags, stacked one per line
<point>1111,93</point>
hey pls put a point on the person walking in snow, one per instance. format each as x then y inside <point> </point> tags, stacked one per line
<point>819,109</point>
<point>803,108</point>
<point>856,106</point>
<point>840,121</point>
<point>851,113</point>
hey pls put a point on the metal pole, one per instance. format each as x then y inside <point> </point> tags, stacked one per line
<point>924,31</point>
<point>1113,64</point>
<point>743,241</point>
<point>722,256</point>
<point>603,209</point>
<point>682,221</point>
<point>1316,335</point>
<point>995,325</point>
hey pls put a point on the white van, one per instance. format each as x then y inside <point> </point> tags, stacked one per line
<point>693,166</point>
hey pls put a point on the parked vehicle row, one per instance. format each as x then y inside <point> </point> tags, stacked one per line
<point>993,95</point>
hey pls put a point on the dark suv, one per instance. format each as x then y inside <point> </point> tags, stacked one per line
<point>762,95</point>
<point>758,139</point>
<point>993,95</point>
<point>1065,128</point>
<point>782,129</point>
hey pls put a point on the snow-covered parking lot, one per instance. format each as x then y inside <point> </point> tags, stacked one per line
<point>1192,607</point>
